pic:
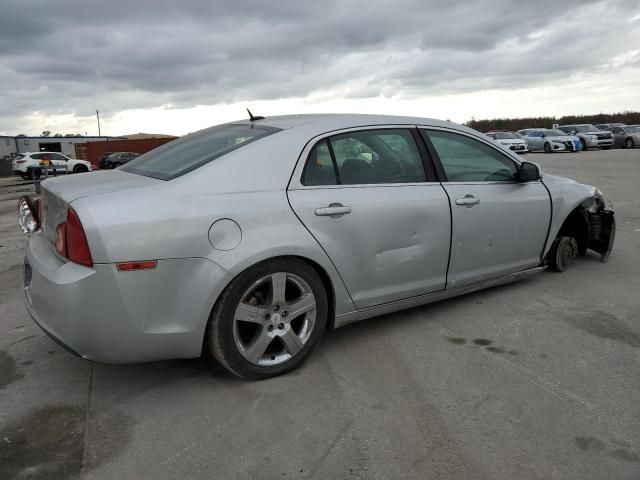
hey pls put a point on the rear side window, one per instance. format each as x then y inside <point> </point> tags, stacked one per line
<point>465,159</point>
<point>365,157</point>
<point>192,151</point>
<point>320,169</point>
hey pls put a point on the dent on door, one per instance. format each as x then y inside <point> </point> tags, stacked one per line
<point>388,243</point>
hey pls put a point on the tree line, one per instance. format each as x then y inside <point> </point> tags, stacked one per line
<point>514,124</point>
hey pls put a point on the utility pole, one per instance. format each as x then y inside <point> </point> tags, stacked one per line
<point>98,116</point>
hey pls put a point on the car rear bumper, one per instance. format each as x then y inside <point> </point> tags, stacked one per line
<point>109,316</point>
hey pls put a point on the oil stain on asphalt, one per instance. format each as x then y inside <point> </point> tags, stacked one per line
<point>593,444</point>
<point>605,325</point>
<point>49,443</point>
<point>8,372</point>
<point>482,342</point>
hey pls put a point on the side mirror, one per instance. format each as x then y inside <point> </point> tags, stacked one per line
<point>529,172</point>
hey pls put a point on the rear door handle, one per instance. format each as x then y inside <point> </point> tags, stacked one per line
<point>333,210</point>
<point>468,201</point>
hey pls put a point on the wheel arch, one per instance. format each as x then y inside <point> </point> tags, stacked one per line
<point>319,269</point>
<point>576,225</point>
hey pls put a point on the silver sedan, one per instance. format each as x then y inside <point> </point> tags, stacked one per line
<point>249,239</point>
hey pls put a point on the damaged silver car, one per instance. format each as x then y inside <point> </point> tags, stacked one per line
<point>247,240</point>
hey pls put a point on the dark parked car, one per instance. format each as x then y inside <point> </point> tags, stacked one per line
<point>119,158</point>
<point>627,136</point>
<point>102,161</point>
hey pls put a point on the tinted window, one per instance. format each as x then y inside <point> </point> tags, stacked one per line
<point>56,156</point>
<point>37,156</point>
<point>192,151</point>
<point>377,156</point>
<point>467,160</point>
<point>319,169</point>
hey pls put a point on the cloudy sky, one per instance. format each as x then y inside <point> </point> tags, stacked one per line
<point>178,66</point>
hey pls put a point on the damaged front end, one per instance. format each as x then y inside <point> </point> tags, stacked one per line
<point>600,219</point>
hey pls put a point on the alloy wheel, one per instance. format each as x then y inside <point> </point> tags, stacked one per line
<point>274,319</point>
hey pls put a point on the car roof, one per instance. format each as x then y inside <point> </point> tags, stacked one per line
<point>31,153</point>
<point>326,122</point>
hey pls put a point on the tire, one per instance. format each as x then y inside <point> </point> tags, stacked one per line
<point>80,169</point>
<point>584,144</point>
<point>547,148</point>
<point>272,342</point>
<point>25,176</point>
<point>629,143</point>
<point>563,251</point>
<point>605,148</point>
<point>116,165</point>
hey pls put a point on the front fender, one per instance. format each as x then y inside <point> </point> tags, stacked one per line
<point>568,196</point>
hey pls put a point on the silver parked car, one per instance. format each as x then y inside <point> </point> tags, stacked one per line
<point>249,239</point>
<point>549,140</point>
<point>590,135</point>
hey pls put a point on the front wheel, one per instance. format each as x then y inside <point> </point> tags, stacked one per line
<point>269,319</point>
<point>605,148</point>
<point>584,144</point>
<point>563,251</point>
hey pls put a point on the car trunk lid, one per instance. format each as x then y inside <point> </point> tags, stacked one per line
<point>58,193</point>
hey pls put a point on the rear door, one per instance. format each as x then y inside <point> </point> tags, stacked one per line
<point>377,211</point>
<point>499,224</point>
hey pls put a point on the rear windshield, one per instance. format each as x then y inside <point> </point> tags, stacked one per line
<point>192,151</point>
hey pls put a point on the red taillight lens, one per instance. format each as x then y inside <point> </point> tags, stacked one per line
<point>20,161</point>
<point>61,241</point>
<point>76,240</point>
<point>71,242</point>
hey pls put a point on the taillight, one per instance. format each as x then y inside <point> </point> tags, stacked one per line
<point>20,161</point>
<point>61,241</point>
<point>28,214</point>
<point>71,241</point>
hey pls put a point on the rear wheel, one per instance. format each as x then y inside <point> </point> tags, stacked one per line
<point>269,319</point>
<point>584,143</point>
<point>547,147</point>
<point>116,165</point>
<point>563,251</point>
<point>80,169</point>
<point>629,143</point>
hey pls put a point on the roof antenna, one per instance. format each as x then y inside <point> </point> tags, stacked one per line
<point>253,117</point>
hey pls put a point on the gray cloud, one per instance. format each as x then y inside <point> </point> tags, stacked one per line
<point>67,57</point>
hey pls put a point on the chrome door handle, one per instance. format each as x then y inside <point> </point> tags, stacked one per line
<point>333,210</point>
<point>468,201</point>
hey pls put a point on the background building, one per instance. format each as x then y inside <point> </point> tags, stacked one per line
<point>11,146</point>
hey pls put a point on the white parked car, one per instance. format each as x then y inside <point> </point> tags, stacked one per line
<point>511,140</point>
<point>29,164</point>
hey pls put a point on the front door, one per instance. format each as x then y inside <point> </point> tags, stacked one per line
<point>366,199</point>
<point>500,224</point>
